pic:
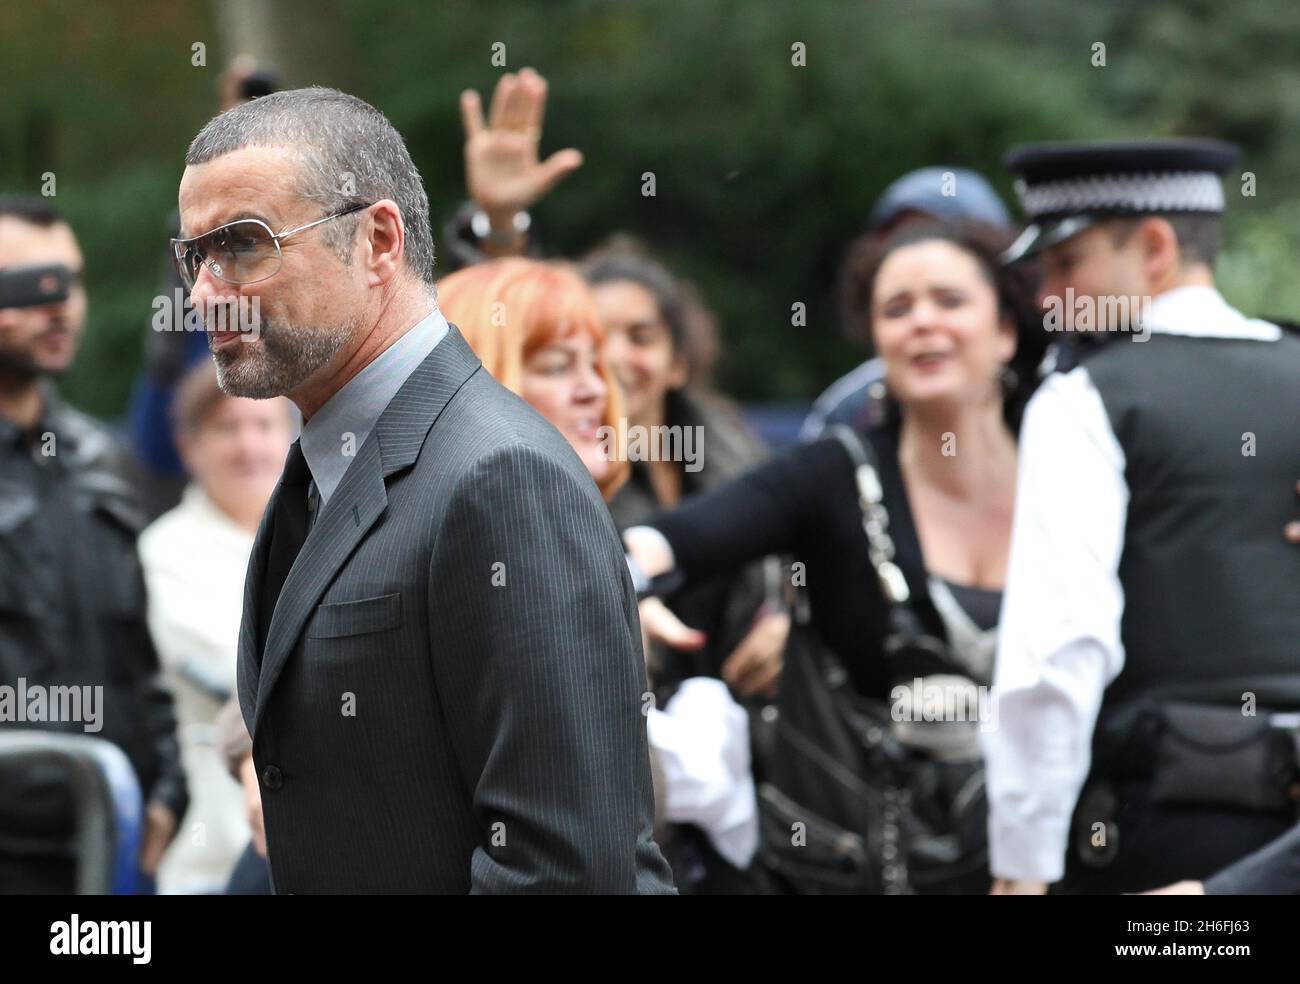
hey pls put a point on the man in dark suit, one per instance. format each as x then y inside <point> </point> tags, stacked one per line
<point>439,659</point>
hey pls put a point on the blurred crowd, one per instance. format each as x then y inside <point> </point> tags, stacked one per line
<point>124,566</point>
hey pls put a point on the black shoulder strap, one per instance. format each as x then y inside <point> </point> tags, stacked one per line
<point>909,649</point>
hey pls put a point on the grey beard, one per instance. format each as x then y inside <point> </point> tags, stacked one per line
<point>283,358</point>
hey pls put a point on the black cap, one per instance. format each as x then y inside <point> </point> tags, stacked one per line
<point>1065,187</point>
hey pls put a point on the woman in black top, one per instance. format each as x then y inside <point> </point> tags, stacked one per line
<point>961,340</point>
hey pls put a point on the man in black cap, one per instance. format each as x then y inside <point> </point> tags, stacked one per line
<point>1147,647</point>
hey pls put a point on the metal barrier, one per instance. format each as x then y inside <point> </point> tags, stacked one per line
<point>107,799</point>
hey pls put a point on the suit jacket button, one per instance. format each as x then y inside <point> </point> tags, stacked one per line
<point>271,777</point>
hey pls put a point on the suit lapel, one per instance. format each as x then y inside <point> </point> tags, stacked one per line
<point>359,500</point>
<point>352,510</point>
<point>250,660</point>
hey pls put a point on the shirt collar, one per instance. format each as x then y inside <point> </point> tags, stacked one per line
<point>338,430</point>
<point>1200,311</point>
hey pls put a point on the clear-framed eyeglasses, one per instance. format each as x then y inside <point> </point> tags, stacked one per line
<point>242,252</point>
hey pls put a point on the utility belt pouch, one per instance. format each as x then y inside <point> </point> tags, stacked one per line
<point>1207,755</point>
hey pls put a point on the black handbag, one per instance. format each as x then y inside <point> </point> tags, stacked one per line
<point>846,804</point>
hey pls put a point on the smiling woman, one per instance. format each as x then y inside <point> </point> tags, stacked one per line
<point>535,328</point>
<point>948,320</point>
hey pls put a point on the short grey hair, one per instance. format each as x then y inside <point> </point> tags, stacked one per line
<point>336,136</point>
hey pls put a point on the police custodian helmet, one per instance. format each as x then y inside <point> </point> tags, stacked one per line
<point>1065,187</point>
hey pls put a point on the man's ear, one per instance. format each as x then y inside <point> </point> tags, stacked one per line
<point>1160,252</point>
<point>383,244</point>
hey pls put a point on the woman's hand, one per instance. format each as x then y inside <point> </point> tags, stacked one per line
<point>502,168</point>
<point>658,624</point>
<point>1018,886</point>
<point>1179,888</point>
<point>653,555</point>
<point>754,667</point>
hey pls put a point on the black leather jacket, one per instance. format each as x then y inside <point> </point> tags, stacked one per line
<point>72,614</point>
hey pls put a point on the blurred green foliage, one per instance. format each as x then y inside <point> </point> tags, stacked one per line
<point>764,170</point>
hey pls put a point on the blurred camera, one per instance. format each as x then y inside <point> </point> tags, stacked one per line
<point>32,286</point>
<point>261,82</point>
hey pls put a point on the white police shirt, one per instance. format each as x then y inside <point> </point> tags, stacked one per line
<point>1059,641</point>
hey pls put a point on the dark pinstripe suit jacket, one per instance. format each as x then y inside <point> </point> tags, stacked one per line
<point>450,695</point>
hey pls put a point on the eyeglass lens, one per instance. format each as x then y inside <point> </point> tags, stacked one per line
<point>239,253</point>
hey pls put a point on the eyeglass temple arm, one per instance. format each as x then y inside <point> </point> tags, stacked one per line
<point>278,236</point>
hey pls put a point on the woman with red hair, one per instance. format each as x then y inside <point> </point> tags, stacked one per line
<point>536,330</point>
<point>535,327</point>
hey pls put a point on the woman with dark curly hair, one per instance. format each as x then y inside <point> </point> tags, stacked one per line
<point>961,340</point>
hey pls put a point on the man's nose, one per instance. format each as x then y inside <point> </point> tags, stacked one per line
<point>208,287</point>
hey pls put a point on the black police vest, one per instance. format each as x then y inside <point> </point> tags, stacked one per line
<point>1210,430</point>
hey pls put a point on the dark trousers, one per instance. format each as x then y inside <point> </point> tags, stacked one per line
<point>1159,844</point>
<point>251,875</point>
<point>698,869</point>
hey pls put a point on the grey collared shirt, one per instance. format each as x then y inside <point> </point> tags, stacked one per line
<point>338,430</point>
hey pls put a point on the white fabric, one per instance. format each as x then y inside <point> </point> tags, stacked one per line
<point>701,739</point>
<point>1059,634</point>
<point>1202,312</point>
<point>195,558</point>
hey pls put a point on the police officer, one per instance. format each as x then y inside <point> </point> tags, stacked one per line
<point>1147,652</point>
